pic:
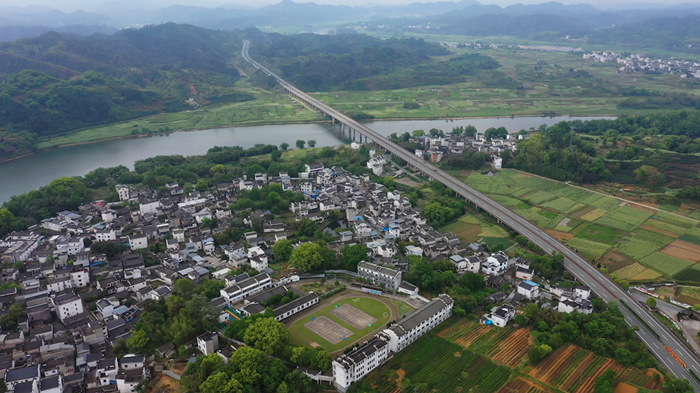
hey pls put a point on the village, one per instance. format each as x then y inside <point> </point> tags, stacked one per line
<point>79,303</point>
<point>636,62</point>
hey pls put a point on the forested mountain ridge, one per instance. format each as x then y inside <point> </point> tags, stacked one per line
<point>360,62</point>
<point>55,83</point>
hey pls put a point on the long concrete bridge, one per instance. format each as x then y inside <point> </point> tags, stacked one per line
<point>583,270</point>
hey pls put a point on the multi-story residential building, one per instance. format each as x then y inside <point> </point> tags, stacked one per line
<point>380,275</point>
<point>245,288</point>
<point>67,305</point>
<point>417,323</point>
<point>352,367</point>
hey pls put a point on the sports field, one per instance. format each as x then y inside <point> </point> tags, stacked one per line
<point>340,324</point>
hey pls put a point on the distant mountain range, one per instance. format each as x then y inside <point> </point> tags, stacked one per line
<point>468,17</point>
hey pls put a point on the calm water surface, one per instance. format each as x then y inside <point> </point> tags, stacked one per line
<point>29,173</point>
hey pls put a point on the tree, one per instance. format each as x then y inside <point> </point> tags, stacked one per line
<point>120,348</point>
<point>283,249</point>
<point>311,142</point>
<point>221,383</point>
<point>138,341</point>
<point>538,352</point>
<point>276,155</point>
<point>520,319</point>
<point>651,302</point>
<point>353,255</point>
<point>218,168</point>
<point>677,385</point>
<point>267,335</point>
<point>142,387</point>
<point>388,181</point>
<point>9,320</point>
<point>284,146</point>
<point>605,383</point>
<point>202,185</point>
<point>307,257</point>
<point>183,287</point>
<point>300,144</point>
<point>418,133</point>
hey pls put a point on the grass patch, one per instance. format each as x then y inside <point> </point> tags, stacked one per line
<point>668,208</point>
<point>301,335</point>
<point>665,264</point>
<point>498,240</point>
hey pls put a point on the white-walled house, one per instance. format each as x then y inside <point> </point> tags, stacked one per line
<point>499,316</point>
<point>529,289</point>
<point>138,242</point>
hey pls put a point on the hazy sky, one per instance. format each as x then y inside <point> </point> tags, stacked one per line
<point>72,5</point>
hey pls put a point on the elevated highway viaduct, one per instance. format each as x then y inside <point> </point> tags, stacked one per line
<point>583,270</point>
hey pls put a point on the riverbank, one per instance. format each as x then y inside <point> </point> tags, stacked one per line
<point>52,144</point>
<point>20,176</point>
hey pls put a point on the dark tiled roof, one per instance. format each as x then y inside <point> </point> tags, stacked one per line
<point>416,317</point>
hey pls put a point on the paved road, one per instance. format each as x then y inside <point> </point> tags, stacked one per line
<point>583,270</point>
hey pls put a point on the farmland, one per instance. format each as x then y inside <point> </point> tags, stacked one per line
<point>466,356</point>
<point>635,242</point>
<point>451,369</point>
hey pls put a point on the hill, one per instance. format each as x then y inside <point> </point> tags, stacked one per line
<point>55,83</point>
<point>682,34</point>
<point>360,62</point>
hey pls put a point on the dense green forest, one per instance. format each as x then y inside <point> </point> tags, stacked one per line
<point>360,62</point>
<point>655,151</point>
<point>53,83</point>
<point>681,34</point>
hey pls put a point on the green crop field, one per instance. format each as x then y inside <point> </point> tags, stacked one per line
<point>629,215</point>
<point>589,249</point>
<point>643,243</point>
<point>435,365</point>
<point>540,197</point>
<point>691,274</point>
<point>611,222</point>
<point>690,239</point>
<point>665,264</point>
<point>597,233</point>
<point>563,205</point>
<point>665,225</point>
<point>301,335</point>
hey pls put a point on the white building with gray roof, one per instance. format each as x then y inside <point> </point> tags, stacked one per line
<point>419,322</point>
<point>380,275</point>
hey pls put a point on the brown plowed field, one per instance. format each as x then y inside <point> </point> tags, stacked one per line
<point>446,332</point>
<point>559,235</point>
<point>625,388</point>
<point>583,211</point>
<point>469,339</point>
<point>556,362</point>
<point>688,252</point>
<point>512,350</point>
<point>587,385</point>
<point>520,385</point>
<point>576,375</point>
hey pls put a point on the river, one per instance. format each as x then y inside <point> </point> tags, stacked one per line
<point>31,172</point>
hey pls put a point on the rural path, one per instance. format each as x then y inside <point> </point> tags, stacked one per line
<point>607,195</point>
<point>345,295</point>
